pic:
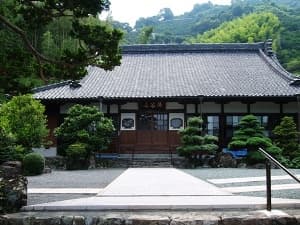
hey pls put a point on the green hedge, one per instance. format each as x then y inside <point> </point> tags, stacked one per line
<point>33,164</point>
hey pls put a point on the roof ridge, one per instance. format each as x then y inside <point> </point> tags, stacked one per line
<point>273,62</point>
<point>188,48</point>
<point>50,86</point>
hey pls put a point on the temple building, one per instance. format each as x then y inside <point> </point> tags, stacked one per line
<point>157,88</point>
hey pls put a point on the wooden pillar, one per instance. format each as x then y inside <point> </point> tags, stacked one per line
<point>222,125</point>
<point>100,104</point>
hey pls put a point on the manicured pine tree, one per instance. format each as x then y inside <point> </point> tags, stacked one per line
<point>250,135</point>
<point>194,142</point>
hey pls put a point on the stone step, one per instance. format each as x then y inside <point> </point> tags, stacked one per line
<point>151,162</point>
<point>151,217</point>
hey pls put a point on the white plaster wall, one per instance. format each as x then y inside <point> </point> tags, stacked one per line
<point>174,105</point>
<point>130,106</point>
<point>210,107</point>
<point>264,107</point>
<point>291,107</point>
<point>65,107</point>
<point>190,108</point>
<point>114,108</point>
<point>235,107</point>
<point>97,105</point>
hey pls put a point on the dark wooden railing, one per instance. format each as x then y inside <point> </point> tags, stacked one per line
<point>270,160</point>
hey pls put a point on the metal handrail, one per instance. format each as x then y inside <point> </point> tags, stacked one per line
<point>269,160</point>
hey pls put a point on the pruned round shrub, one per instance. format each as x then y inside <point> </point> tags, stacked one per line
<point>237,144</point>
<point>211,139</point>
<point>77,150</point>
<point>194,144</point>
<point>274,151</point>
<point>256,142</point>
<point>77,155</point>
<point>210,148</point>
<point>33,164</point>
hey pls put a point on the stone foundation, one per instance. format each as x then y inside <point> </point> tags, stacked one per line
<point>221,160</point>
<point>57,162</point>
<point>152,218</point>
<point>13,187</point>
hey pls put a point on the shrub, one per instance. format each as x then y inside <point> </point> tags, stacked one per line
<point>250,135</point>
<point>33,164</point>
<point>257,157</point>
<point>254,143</point>
<point>77,151</point>
<point>24,118</point>
<point>7,143</point>
<point>86,125</point>
<point>296,163</point>
<point>194,142</point>
<point>274,151</point>
<point>77,156</point>
<point>238,144</point>
<point>286,137</point>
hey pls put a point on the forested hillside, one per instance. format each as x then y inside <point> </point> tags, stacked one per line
<point>73,37</point>
<point>251,28</point>
<point>210,23</point>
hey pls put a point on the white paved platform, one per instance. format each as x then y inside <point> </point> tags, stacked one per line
<point>162,188</point>
<point>160,182</point>
<point>64,190</point>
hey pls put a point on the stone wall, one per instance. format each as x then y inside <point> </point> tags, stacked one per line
<point>57,162</point>
<point>154,218</point>
<point>13,187</point>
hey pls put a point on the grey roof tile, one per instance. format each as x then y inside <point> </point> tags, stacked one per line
<point>182,70</point>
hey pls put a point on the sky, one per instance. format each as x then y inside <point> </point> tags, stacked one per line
<point>131,10</point>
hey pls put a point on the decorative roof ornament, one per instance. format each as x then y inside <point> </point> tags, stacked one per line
<point>74,84</point>
<point>268,47</point>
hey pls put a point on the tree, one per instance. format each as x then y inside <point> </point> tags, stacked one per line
<point>286,137</point>
<point>97,42</point>
<point>194,143</point>
<point>85,125</point>
<point>7,147</point>
<point>250,135</point>
<point>165,14</point>
<point>250,28</point>
<point>145,35</point>
<point>24,118</point>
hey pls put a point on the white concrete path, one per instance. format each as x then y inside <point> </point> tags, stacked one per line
<point>64,190</point>
<point>162,188</point>
<point>159,182</point>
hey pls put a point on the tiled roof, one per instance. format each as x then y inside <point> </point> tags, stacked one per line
<point>213,70</point>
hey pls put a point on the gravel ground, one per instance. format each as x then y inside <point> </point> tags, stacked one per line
<point>102,177</point>
<point>221,173</point>
<point>70,179</point>
<point>75,179</point>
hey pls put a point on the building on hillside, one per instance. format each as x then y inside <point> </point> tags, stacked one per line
<point>158,87</point>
